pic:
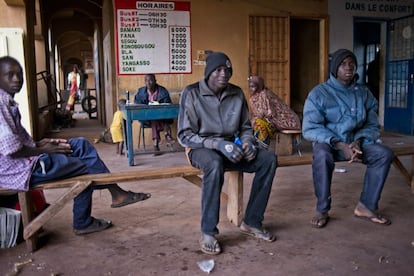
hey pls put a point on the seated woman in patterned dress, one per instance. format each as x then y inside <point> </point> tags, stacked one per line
<point>268,112</point>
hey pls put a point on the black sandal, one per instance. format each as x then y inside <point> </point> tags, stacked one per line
<point>131,198</point>
<point>96,225</point>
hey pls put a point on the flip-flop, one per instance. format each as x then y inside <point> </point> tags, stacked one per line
<point>96,225</point>
<point>210,246</point>
<point>132,198</point>
<point>375,218</point>
<point>371,216</point>
<point>260,234</point>
<point>320,220</point>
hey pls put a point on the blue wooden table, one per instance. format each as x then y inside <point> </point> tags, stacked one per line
<point>142,112</point>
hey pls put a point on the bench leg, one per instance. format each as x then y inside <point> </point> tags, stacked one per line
<point>26,207</point>
<point>400,167</point>
<point>37,222</point>
<point>235,197</point>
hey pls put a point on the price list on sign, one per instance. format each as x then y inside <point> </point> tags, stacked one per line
<point>179,45</point>
<point>153,37</point>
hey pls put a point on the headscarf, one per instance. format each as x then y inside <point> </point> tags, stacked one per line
<point>259,81</point>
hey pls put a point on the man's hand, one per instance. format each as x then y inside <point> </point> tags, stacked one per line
<point>233,152</point>
<point>249,151</point>
<point>46,141</point>
<point>356,151</point>
<point>54,146</point>
<point>352,152</point>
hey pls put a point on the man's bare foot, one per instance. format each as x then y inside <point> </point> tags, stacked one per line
<point>320,220</point>
<point>362,212</point>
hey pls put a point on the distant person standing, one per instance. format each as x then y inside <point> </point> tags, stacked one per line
<point>83,84</point>
<point>116,128</point>
<point>73,86</point>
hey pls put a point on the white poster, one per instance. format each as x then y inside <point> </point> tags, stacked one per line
<point>153,37</point>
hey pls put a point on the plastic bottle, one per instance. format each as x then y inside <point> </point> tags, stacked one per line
<point>237,141</point>
<point>127,96</point>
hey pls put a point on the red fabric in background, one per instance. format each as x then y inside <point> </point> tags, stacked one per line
<point>39,201</point>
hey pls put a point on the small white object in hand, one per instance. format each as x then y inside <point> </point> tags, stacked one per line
<point>206,266</point>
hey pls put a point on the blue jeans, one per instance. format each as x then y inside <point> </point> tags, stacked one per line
<point>376,157</point>
<point>213,164</point>
<point>83,160</point>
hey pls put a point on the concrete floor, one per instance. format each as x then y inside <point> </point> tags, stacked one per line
<point>160,236</point>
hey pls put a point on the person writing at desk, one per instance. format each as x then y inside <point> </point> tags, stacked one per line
<point>26,163</point>
<point>152,93</point>
<point>340,119</point>
<point>268,112</point>
<point>214,127</point>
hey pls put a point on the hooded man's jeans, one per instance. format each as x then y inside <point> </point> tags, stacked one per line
<point>376,157</point>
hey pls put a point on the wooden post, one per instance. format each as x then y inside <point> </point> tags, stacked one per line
<point>26,207</point>
<point>235,197</point>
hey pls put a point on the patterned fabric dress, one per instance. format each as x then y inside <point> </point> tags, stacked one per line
<point>269,113</point>
<point>73,91</point>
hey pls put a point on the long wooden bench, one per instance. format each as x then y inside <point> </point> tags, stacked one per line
<point>233,197</point>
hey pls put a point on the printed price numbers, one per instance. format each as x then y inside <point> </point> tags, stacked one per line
<point>179,45</point>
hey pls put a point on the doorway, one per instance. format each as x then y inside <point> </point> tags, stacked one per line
<point>306,57</point>
<point>369,48</point>
<point>290,54</point>
<point>73,39</point>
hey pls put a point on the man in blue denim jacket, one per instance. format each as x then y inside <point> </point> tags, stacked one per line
<point>340,118</point>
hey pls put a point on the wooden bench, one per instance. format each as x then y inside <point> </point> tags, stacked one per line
<point>287,142</point>
<point>401,151</point>
<point>233,197</point>
<point>75,185</point>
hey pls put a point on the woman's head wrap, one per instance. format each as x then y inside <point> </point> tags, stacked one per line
<point>259,81</point>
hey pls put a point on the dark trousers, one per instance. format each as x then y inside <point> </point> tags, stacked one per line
<point>83,160</point>
<point>376,157</point>
<point>213,164</point>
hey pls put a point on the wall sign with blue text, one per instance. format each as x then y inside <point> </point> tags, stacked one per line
<point>153,37</point>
